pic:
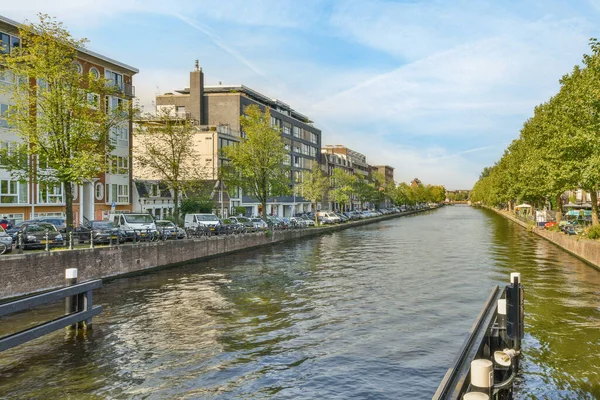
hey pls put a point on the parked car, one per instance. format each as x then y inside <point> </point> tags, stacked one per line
<point>247,222</point>
<point>131,223</point>
<point>259,224</point>
<point>103,231</point>
<point>328,217</point>
<point>168,230</point>
<point>298,222</point>
<point>232,226</point>
<point>191,221</point>
<point>34,235</point>
<point>6,241</point>
<point>14,230</point>
<point>59,223</point>
<point>308,220</point>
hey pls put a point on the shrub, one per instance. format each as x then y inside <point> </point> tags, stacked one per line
<point>593,232</point>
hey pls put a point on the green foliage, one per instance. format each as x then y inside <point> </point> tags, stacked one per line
<point>557,149</point>
<point>164,150</point>
<point>68,134</point>
<point>314,185</point>
<point>239,210</point>
<point>593,232</point>
<point>195,205</point>
<point>257,163</point>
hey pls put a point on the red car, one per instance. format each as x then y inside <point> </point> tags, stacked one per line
<point>549,224</point>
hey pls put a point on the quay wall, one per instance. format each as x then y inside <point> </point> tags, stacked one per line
<point>585,249</point>
<point>22,274</point>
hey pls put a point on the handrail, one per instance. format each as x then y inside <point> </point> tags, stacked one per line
<point>44,298</point>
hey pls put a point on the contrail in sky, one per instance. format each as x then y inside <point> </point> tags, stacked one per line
<point>219,42</point>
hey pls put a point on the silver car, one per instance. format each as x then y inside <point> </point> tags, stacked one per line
<point>6,241</point>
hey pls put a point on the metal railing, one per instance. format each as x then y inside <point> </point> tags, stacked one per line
<point>78,309</point>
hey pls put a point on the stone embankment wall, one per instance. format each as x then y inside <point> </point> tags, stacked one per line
<point>22,274</point>
<point>586,249</point>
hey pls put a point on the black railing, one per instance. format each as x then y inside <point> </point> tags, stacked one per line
<point>78,304</point>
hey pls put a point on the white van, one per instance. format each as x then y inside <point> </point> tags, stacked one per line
<point>191,221</point>
<point>328,217</point>
<point>129,223</point>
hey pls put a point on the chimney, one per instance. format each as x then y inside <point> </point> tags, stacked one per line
<point>196,93</point>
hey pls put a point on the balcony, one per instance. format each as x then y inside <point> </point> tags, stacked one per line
<point>124,88</point>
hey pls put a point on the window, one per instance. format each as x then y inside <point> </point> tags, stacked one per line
<point>99,189</point>
<point>114,79</point>
<point>3,115</point>
<point>95,73</point>
<point>287,128</point>
<point>4,43</point>
<point>154,191</point>
<point>50,193</point>
<point>118,165</point>
<point>78,67</point>
<point>123,193</point>
<point>6,76</point>
<point>15,42</point>
<point>93,100</point>
<point>314,138</point>
<point>13,192</point>
<point>297,131</point>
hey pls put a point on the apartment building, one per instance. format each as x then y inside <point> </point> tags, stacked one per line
<point>95,198</point>
<point>386,171</point>
<point>357,160</point>
<point>220,107</point>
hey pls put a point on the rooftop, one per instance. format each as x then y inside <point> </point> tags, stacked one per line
<point>81,49</point>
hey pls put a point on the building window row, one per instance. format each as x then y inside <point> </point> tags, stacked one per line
<point>120,136</point>
<point>119,165</point>
<point>13,192</point>
<point>117,193</point>
<point>50,193</point>
<point>226,142</point>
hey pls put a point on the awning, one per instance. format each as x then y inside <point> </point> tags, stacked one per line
<point>523,206</point>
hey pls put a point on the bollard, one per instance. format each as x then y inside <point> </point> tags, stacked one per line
<point>71,301</point>
<point>20,243</point>
<point>91,238</point>
<point>515,310</point>
<point>70,240</point>
<point>482,376</point>
<point>501,319</point>
<point>476,396</point>
<point>110,235</point>
<point>47,241</point>
<point>134,237</point>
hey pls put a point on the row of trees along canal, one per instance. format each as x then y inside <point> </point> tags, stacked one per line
<point>64,122</point>
<point>558,148</point>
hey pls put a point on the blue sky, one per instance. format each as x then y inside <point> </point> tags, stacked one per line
<point>437,89</point>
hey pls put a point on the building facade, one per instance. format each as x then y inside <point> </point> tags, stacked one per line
<point>222,106</point>
<point>21,200</point>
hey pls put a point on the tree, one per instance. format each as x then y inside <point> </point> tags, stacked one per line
<point>62,124</point>
<point>314,185</point>
<point>164,149</point>
<point>257,163</point>
<point>343,183</point>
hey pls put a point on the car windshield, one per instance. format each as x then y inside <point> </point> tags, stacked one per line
<point>41,228</point>
<point>243,219</point>
<point>165,224</point>
<point>138,218</point>
<point>256,220</point>
<point>208,217</point>
<point>103,225</point>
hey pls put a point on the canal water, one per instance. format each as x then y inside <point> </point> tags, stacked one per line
<point>376,312</point>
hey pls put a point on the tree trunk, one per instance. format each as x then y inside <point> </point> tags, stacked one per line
<point>316,218</point>
<point>594,199</point>
<point>69,206</point>
<point>558,208</point>
<point>176,205</point>
<point>264,211</point>
<point>509,203</point>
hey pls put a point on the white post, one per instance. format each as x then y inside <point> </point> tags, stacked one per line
<point>482,375</point>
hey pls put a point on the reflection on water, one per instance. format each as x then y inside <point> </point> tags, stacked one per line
<point>372,312</point>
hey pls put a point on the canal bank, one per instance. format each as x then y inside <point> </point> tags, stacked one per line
<point>22,274</point>
<point>585,249</point>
